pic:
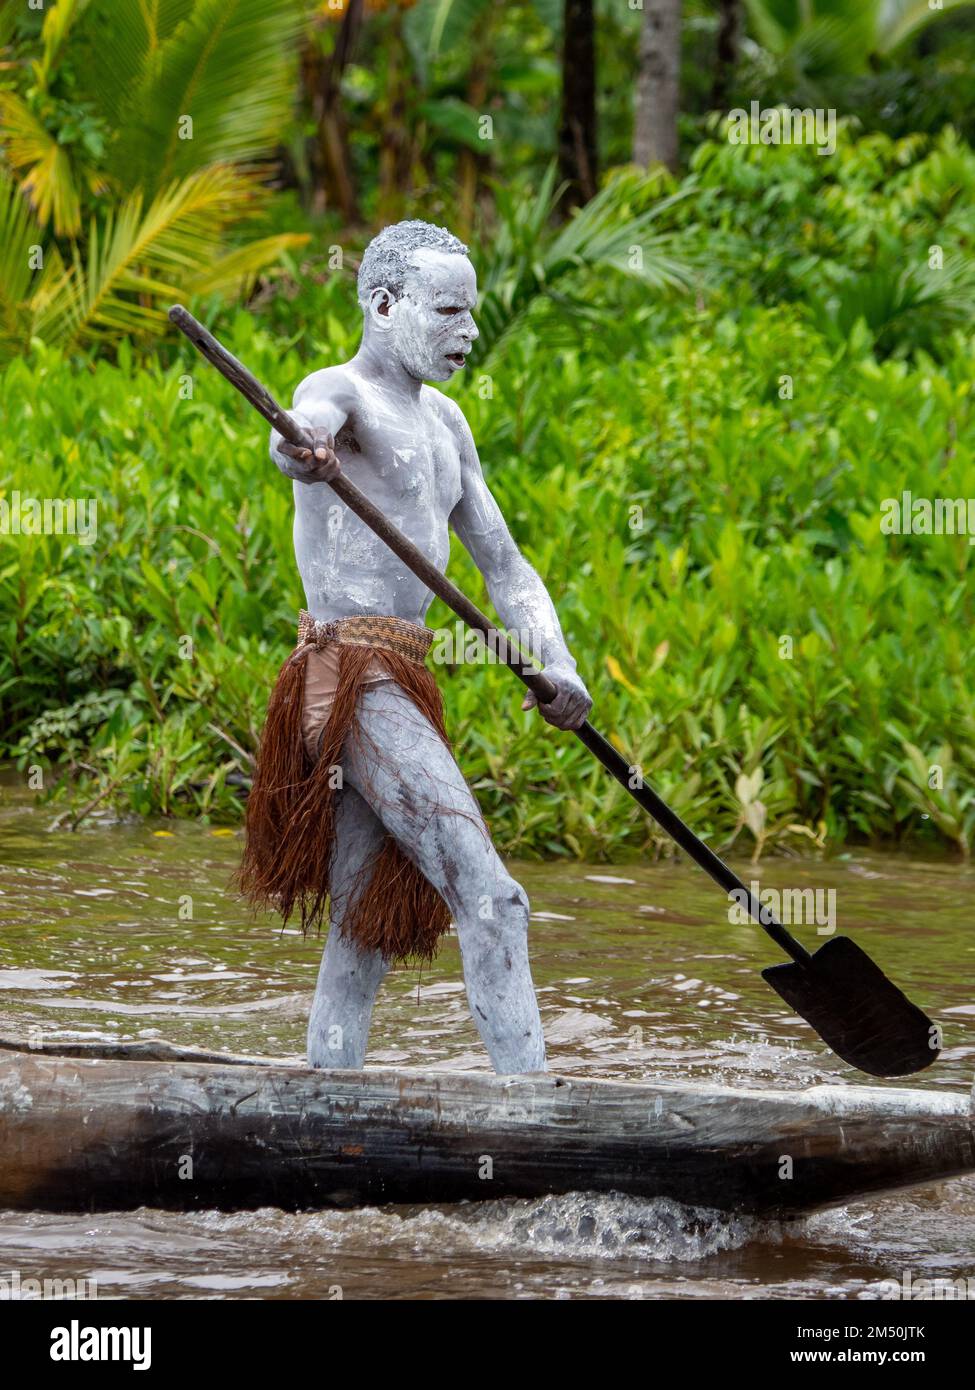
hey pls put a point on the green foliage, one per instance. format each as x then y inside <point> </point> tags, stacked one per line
<point>142,205</point>
<point>880,234</point>
<point>817,38</point>
<point>701,395</point>
<point>530,266</point>
<point>787,674</point>
<point>901,66</point>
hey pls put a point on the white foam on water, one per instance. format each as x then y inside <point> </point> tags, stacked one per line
<point>573,1226</point>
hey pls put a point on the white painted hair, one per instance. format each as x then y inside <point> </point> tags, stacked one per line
<point>386,260</point>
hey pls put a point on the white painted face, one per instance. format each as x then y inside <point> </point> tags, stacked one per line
<point>431,327</point>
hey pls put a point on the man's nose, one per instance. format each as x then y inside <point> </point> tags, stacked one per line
<point>470,330</point>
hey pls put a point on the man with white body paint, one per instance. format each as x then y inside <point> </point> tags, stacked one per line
<point>410,450</point>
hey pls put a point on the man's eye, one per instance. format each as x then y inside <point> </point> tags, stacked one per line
<point>450,311</point>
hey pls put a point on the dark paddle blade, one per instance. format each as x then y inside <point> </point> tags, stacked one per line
<point>856,1010</point>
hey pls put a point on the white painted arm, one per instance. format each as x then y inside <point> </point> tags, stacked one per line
<point>517,592</point>
<point>321,407</point>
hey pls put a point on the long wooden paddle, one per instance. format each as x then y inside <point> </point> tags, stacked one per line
<point>846,998</point>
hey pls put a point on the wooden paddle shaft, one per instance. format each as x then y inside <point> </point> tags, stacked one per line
<point>625,773</point>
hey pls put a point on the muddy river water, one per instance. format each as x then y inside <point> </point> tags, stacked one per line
<point>126,931</point>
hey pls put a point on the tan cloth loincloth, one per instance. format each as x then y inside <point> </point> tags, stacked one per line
<point>321,682</point>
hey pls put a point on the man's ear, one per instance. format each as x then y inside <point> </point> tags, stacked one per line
<point>380,302</point>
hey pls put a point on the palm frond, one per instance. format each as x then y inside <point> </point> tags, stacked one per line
<point>18,234</point>
<point>29,271</point>
<point>228,67</point>
<point>814,41</point>
<point>120,48</point>
<point>600,235</point>
<point>142,255</point>
<point>8,19</point>
<point>237,270</point>
<point>822,38</point>
<point>161,18</point>
<point>47,177</point>
<point>833,45</point>
<point>905,310</point>
<point>530,263</point>
<point>768,25</point>
<point>439,26</point>
<point>898,20</point>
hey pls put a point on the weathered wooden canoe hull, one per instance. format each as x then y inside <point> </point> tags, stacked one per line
<point>82,1133</point>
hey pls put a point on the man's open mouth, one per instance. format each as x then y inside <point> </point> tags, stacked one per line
<point>457,358</point>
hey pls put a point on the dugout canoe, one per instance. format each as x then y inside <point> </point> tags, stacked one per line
<point>86,1127</point>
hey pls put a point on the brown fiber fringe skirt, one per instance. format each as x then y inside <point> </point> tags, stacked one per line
<point>289,823</point>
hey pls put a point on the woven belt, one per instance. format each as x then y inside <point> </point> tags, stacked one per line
<point>411,640</point>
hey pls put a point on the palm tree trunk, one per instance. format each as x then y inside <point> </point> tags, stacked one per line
<point>472,163</point>
<point>658,85</point>
<point>330,160</point>
<point>395,145</point>
<point>726,54</point>
<point>578,163</point>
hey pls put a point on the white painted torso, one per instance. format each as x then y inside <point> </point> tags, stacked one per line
<point>405,456</point>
